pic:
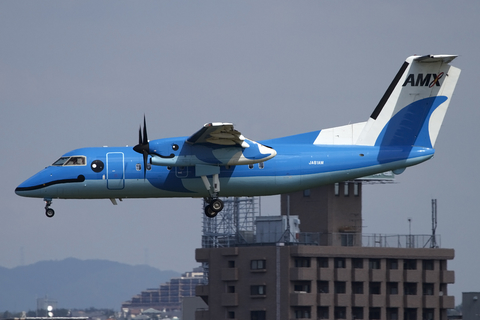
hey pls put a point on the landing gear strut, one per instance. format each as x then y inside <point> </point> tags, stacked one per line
<point>49,212</point>
<point>214,206</point>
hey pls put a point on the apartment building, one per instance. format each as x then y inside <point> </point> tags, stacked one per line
<point>338,275</point>
<point>326,282</point>
<point>168,296</point>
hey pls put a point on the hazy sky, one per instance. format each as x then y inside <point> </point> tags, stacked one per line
<point>83,73</point>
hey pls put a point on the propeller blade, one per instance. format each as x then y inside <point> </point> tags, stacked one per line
<point>145,138</point>
<point>143,146</point>
<point>145,158</point>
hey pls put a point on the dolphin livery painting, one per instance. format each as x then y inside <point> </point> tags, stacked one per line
<point>218,161</point>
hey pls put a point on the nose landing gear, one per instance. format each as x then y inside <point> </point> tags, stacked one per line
<point>49,212</point>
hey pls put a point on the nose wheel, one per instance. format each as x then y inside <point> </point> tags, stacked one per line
<point>213,207</point>
<point>49,212</point>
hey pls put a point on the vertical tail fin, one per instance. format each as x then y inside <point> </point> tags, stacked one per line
<point>412,109</point>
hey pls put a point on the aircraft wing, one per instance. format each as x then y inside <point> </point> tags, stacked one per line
<point>218,133</point>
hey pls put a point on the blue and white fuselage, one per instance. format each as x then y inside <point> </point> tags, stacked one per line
<point>295,167</point>
<point>217,161</point>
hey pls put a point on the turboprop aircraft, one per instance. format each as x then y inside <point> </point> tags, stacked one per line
<point>218,161</point>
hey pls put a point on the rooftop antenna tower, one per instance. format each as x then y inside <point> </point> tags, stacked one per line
<point>433,243</point>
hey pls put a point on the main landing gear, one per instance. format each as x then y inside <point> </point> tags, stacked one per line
<point>49,212</point>
<point>213,207</point>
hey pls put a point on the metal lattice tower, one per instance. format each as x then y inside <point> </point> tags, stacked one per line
<point>233,226</point>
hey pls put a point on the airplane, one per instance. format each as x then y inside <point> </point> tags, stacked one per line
<point>218,161</point>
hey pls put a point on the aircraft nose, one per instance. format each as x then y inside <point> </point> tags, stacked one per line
<point>25,189</point>
<point>33,186</point>
<point>18,190</point>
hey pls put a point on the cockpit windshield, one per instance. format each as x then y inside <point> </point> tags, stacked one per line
<point>71,161</point>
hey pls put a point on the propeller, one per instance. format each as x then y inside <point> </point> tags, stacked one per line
<point>143,146</point>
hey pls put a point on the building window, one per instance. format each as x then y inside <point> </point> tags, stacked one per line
<point>231,263</point>
<point>340,313</point>
<point>258,315</point>
<point>339,263</point>
<point>374,313</point>
<point>410,264</point>
<point>392,287</point>
<point>301,286</point>
<point>357,312</point>
<point>428,289</point>
<point>428,265</point>
<point>322,313</point>
<point>302,262</point>
<point>340,287</point>
<point>259,290</point>
<point>374,263</point>
<point>410,314</point>
<point>357,287</point>
<point>410,288</point>
<point>356,189</point>
<point>357,263</point>
<point>392,264</point>
<point>306,193</point>
<point>322,262</point>
<point>231,289</point>
<point>375,288</point>
<point>258,264</point>
<point>347,239</point>
<point>427,314</point>
<point>231,315</point>
<point>322,286</point>
<point>392,313</point>
<point>302,312</point>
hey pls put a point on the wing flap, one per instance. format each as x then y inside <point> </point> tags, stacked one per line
<point>218,133</point>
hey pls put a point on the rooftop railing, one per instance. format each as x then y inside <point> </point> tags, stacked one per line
<point>346,239</point>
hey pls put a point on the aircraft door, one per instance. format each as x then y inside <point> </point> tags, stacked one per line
<point>115,170</point>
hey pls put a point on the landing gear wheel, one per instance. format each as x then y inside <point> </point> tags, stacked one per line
<point>49,212</point>
<point>209,212</point>
<point>217,205</point>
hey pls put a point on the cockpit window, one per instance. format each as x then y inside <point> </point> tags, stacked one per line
<point>71,161</point>
<point>61,161</point>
